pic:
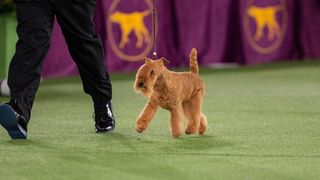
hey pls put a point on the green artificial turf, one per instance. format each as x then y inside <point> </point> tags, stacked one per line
<point>264,123</point>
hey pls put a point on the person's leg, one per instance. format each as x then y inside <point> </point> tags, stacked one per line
<point>35,22</point>
<point>76,20</point>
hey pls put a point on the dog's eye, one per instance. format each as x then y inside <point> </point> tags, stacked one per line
<point>152,72</point>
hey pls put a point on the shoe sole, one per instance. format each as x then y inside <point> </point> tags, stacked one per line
<point>105,130</point>
<point>9,121</point>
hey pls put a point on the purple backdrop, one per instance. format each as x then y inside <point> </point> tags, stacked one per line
<point>223,31</point>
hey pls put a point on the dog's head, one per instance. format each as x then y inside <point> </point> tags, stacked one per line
<point>148,74</point>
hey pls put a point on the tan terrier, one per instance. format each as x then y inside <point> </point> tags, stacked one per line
<point>180,93</point>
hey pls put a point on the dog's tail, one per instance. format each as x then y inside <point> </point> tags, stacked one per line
<point>194,68</point>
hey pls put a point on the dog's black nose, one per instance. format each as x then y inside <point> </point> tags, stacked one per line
<point>140,84</point>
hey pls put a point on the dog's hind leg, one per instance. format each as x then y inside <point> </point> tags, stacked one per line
<point>203,124</point>
<point>192,110</point>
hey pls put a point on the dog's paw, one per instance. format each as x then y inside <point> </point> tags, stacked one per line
<point>140,128</point>
<point>190,131</point>
<point>176,135</point>
<point>202,130</point>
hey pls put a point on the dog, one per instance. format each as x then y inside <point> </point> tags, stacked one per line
<point>180,93</point>
<point>132,22</point>
<point>266,17</point>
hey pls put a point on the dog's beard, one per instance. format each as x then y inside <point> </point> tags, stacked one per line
<point>146,91</point>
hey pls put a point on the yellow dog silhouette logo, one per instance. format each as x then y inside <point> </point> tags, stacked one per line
<point>129,28</point>
<point>132,22</point>
<point>265,17</point>
<point>265,26</point>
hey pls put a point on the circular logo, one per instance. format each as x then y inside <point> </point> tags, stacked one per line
<point>129,28</point>
<point>265,24</point>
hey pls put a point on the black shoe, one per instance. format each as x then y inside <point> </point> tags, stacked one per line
<point>104,119</point>
<point>13,122</point>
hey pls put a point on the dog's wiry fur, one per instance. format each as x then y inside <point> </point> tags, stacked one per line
<point>180,93</point>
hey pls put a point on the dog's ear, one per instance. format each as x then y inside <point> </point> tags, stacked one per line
<point>164,61</point>
<point>146,60</point>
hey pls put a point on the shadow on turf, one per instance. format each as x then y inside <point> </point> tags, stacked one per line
<point>200,143</point>
<point>185,145</point>
<point>168,144</point>
<point>188,145</point>
<point>29,143</point>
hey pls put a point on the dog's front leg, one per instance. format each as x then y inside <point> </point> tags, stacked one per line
<point>176,121</point>
<point>146,116</point>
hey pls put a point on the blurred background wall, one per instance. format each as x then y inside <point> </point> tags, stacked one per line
<point>224,31</point>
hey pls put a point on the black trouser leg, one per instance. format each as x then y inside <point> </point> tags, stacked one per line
<point>35,21</point>
<point>76,21</point>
